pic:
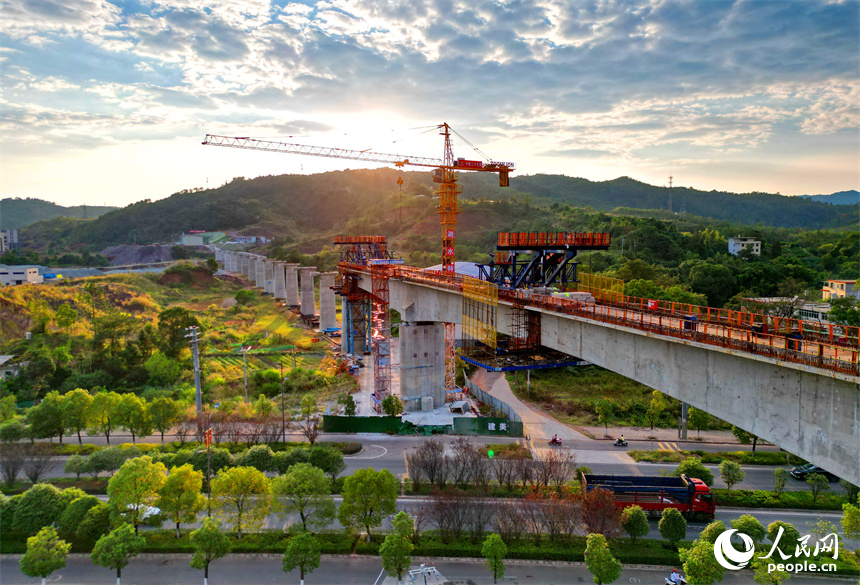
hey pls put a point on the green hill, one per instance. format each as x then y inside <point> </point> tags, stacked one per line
<point>309,208</point>
<point>18,213</point>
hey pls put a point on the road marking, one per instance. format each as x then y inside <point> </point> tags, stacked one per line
<point>384,452</point>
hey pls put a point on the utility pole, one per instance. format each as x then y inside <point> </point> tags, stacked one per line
<point>670,193</point>
<point>245,369</point>
<point>192,333</point>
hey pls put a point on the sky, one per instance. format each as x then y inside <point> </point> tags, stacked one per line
<point>108,102</point>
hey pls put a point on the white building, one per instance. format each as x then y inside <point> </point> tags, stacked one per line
<point>7,368</point>
<point>12,275</point>
<point>738,244</point>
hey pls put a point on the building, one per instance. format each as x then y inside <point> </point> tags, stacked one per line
<point>739,244</point>
<point>8,240</point>
<point>813,312</point>
<point>838,289</point>
<point>7,368</point>
<point>12,275</point>
<point>252,239</point>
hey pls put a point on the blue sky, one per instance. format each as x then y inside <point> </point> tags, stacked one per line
<point>108,102</point>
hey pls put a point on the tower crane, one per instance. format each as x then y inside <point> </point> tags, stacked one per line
<point>446,173</point>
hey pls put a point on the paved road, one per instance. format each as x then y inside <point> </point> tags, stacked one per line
<point>266,570</point>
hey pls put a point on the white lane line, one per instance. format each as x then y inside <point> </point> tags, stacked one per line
<point>384,452</point>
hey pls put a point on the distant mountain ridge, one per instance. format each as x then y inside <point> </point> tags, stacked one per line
<point>312,207</point>
<point>841,198</point>
<point>16,213</point>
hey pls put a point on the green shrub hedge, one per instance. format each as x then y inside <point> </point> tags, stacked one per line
<point>767,499</point>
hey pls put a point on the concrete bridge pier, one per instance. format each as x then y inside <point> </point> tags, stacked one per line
<point>308,302</point>
<point>279,282</point>
<point>422,365</point>
<point>260,271</point>
<point>269,282</point>
<point>292,277</point>
<point>344,319</point>
<point>328,308</point>
<point>247,265</point>
<point>228,261</point>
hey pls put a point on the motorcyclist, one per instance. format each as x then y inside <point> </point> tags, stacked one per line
<point>675,577</point>
<point>555,439</point>
<point>619,440</point>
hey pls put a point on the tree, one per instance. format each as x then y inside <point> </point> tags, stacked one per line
<point>712,531</point>
<point>369,496</point>
<point>396,552</point>
<point>36,508</point>
<point>210,544</point>
<point>329,460</point>
<point>817,484</point>
<point>39,460</point>
<point>163,414</point>
<point>45,554</point>
<point>103,416</point>
<point>46,418</point>
<point>745,438</point>
<point>673,527</point>
<point>12,431</point>
<point>851,491</point>
<point>74,514</point>
<point>162,370</point>
<point>656,407</point>
<point>259,457</point>
<point>714,281</point>
<point>779,477</point>
<point>391,405</point>
<point>76,408</point>
<point>172,325</point>
<point>600,514</point>
<point>95,524</point>
<point>303,553</point>
<point>66,316</point>
<point>605,411</point>
<point>851,520</point>
<point>305,490</point>
<point>244,296</point>
<point>844,311</point>
<point>212,265</point>
<point>731,473</point>
<point>134,488</point>
<point>179,499</point>
<point>698,419</point>
<point>751,527</point>
<point>494,551</point>
<point>349,405</point>
<point>132,415</point>
<point>12,461</point>
<point>115,549</point>
<point>693,467</point>
<point>790,536</point>
<point>635,522</point>
<point>766,573</point>
<point>242,495</point>
<point>310,420</point>
<point>108,460</point>
<point>701,565</point>
<point>599,560</point>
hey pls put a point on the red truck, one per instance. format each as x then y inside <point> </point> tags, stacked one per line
<point>691,496</point>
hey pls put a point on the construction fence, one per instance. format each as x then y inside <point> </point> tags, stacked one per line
<point>360,424</point>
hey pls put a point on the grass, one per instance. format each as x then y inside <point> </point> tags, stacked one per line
<point>570,395</point>
<point>743,457</point>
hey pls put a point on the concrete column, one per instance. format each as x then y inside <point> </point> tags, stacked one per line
<point>269,284</point>
<point>328,308</point>
<point>308,301</point>
<point>234,262</point>
<point>344,320</point>
<point>279,282</point>
<point>422,364</point>
<point>260,280</point>
<point>228,256</point>
<point>246,264</point>
<point>292,284</point>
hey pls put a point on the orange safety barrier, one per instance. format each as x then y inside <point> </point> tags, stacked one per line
<point>821,345</point>
<point>359,239</point>
<point>548,239</point>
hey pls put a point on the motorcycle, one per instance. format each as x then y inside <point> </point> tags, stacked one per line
<point>620,443</point>
<point>555,442</point>
<point>682,581</point>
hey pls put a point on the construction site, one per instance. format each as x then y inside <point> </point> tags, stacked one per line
<point>495,311</point>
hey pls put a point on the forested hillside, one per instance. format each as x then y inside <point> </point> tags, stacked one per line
<point>18,213</point>
<point>328,202</point>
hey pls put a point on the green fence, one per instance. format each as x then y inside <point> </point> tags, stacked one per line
<point>488,426</point>
<point>361,424</point>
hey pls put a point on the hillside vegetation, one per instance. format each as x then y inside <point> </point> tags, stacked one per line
<point>18,213</point>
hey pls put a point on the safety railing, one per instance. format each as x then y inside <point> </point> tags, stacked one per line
<point>549,239</point>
